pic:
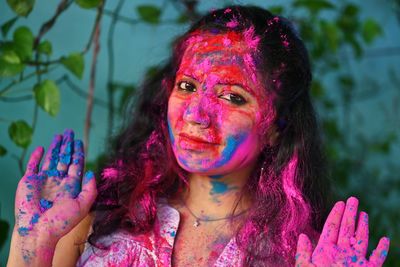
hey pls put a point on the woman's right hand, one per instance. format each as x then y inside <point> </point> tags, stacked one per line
<point>51,200</point>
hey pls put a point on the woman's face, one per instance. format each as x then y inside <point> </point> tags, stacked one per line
<point>217,105</point>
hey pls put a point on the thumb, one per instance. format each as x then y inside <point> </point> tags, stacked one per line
<point>88,193</point>
<point>304,251</point>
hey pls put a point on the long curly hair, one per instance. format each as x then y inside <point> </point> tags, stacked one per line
<point>289,186</point>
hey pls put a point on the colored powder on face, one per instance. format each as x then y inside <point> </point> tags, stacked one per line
<point>29,186</point>
<point>218,187</point>
<point>171,135</point>
<point>217,176</point>
<point>29,197</point>
<point>232,144</point>
<point>173,233</point>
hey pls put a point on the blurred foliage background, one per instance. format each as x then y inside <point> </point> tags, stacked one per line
<point>74,64</point>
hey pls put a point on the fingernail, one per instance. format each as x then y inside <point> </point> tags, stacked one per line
<point>89,175</point>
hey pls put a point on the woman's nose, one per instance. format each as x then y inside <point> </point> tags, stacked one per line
<point>196,112</point>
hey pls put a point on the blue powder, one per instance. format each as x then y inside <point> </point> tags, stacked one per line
<point>23,231</point>
<point>171,135</point>
<point>78,145</point>
<point>35,218</point>
<point>29,186</point>
<point>29,197</point>
<point>217,176</point>
<point>54,157</point>
<point>353,258</point>
<point>73,189</point>
<point>88,176</point>
<point>173,233</point>
<point>45,204</point>
<point>384,253</point>
<point>232,144</point>
<point>218,187</point>
<point>53,173</point>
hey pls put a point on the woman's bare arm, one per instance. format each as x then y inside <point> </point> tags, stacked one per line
<point>72,244</point>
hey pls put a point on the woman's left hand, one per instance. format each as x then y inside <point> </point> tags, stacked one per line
<point>340,243</point>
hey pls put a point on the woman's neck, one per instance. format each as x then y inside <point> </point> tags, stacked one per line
<point>215,197</point>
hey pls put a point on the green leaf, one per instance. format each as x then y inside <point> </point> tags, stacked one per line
<point>21,7</point>
<point>23,42</point>
<point>10,64</point>
<point>149,13</point>
<point>276,9</point>
<point>20,133</point>
<point>5,28</point>
<point>183,18</point>
<point>331,33</point>
<point>3,151</point>
<point>317,89</point>
<point>75,64</point>
<point>88,3</point>
<point>45,47</point>
<point>370,30</point>
<point>314,5</point>
<point>47,96</point>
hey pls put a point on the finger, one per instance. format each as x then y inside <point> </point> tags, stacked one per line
<point>88,193</point>
<point>71,186</point>
<point>78,160</point>
<point>34,160</point>
<point>379,254</point>
<point>51,158</point>
<point>304,251</point>
<point>361,238</point>
<point>65,152</point>
<point>330,231</point>
<point>348,223</point>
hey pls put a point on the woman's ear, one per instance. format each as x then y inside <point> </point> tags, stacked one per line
<point>272,135</point>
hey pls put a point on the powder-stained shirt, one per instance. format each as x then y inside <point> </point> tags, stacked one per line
<point>151,249</point>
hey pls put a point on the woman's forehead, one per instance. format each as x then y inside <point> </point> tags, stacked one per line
<point>208,42</point>
<point>209,52</point>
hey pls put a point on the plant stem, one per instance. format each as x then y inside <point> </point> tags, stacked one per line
<point>96,49</point>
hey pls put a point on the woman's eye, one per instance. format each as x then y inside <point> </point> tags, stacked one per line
<point>187,86</point>
<point>235,99</point>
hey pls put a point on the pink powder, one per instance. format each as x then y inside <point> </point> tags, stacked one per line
<point>232,24</point>
<point>110,173</point>
<point>250,39</point>
<point>228,10</point>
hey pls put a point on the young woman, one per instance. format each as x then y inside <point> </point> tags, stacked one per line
<point>220,165</point>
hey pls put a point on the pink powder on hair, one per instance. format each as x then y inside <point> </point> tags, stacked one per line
<point>228,10</point>
<point>298,209</point>
<point>232,24</point>
<point>250,38</point>
<point>109,173</point>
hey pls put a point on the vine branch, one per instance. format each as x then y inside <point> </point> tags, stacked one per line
<point>90,97</point>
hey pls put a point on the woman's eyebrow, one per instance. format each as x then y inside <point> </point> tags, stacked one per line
<point>238,84</point>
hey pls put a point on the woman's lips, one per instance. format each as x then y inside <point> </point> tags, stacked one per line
<point>195,143</point>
